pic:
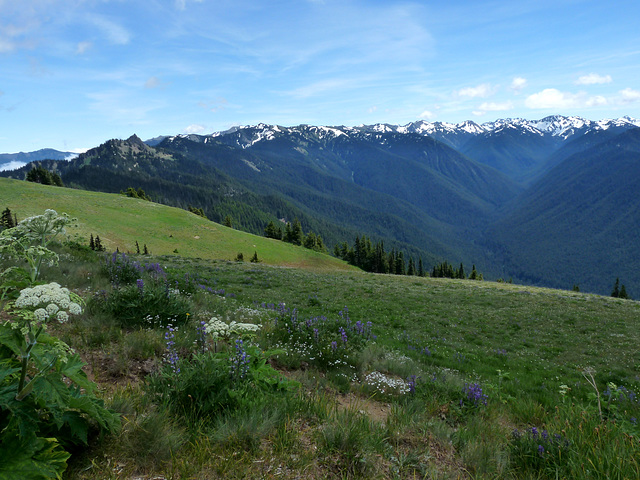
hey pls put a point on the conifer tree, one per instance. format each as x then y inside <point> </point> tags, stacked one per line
<point>474,273</point>
<point>623,292</point>
<point>137,247</point>
<point>6,221</point>
<point>146,250</point>
<point>616,289</point>
<point>254,259</point>
<point>297,236</point>
<point>461,271</point>
<point>92,244</point>
<point>421,272</point>
<point>411,270</point>
<point>227,222</point>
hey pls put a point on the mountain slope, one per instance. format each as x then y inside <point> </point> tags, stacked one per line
<point>580,223</point>
<point>120,221</point>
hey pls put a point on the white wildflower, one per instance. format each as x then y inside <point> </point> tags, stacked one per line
<point>62,316</point>
<point>41,314</point>
<point>52,309</point>
<point>74,308</point>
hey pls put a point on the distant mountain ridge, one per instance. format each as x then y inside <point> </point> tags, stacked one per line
<point>537,201</point>
<point>12,161</point>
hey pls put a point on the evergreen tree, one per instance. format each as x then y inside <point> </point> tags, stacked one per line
<point>411,270</point>
<point>288,234</point>
<point>461,271</point>
<point>227,222</point>
<point>146,250</point>
<point>6,220</point>
<point>421,272</point>
<point>616,289</point>
<point>400,266</point>
<point>137,247</point>
<point>98,244</point>
<point>297,236</point>
<point>254,259</point>
<point>271,231</point>
<point>623,292</point>
<point>92,244</point>
<point>474,273</point>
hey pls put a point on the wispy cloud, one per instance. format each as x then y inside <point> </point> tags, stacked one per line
<point>194,129</point>
<point>115,33</point>
<point>496,107</point>
<point>481,91</point>
<point>82,47</point>
<point>593,79</point>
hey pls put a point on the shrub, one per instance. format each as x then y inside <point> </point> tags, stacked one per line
<point>318,341</point>
<point>144,304</point>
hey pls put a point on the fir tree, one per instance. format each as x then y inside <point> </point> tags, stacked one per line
<point>6,220</point>
<point>297,236</point>
<point>146,250</point>
<point>92,244</point>
<point>98,244</point>
<point>474,273</point>
<point>227,222</point>
<point>421,272</point>
<point>411,270</point>
<point>254,259</point>
<point>461,271</point>
<point>137,247</point>
<point>623,292</point>
<point>616,289</point>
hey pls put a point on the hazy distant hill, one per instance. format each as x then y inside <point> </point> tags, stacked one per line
<point>12,161</point>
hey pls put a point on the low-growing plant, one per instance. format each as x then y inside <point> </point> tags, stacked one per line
<point>143,304</point>
<point>319,341</point>
<point>208,384</point>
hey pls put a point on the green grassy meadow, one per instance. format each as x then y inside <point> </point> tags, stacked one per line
<point>120,221</point>
<point>475,379</point>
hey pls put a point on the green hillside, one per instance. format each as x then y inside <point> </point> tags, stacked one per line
<point>120,221</point>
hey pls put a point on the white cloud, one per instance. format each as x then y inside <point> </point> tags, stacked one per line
<point>12,165</point>
<point>483,90</point>
<point>427,115</point>
<point>518,83</point>
<point>496,107</point>
<point>182,4</point>
<point>372,109</point>
<point>116,34</point>
<point>195,128</point>
<point>629,95</point>
<point>154,82</point>
<point>551,98</point>
<point>82,47</point>
<point>593,78</point>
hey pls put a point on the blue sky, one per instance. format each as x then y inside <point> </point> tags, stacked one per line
<point>75,73</point>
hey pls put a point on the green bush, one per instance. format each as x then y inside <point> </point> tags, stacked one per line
<point>145,304</point>
<point>208,384</point>
<point>319,341</point>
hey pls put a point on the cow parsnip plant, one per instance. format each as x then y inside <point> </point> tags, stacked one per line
<point>46,400</point>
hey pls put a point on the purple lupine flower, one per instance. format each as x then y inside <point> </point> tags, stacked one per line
<point>334,346</point>
<point>239,363</point>
<point>172,353</point>
<point>540,450</point>
<point>343,335</point>
<point>140,284</point>
<point>411,382</point>
<point>474,394</point>
<point>316,334</point>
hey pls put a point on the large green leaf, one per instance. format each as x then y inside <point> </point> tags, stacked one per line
<point>42,458</point>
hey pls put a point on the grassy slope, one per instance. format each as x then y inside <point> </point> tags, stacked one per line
<point>121,221</point>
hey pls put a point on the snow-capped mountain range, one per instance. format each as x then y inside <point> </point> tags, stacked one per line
<point>453,134</point>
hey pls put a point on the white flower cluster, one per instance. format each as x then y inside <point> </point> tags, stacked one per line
<point>384,383</point>
<point>219,329</point>
<point>49,301</point>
